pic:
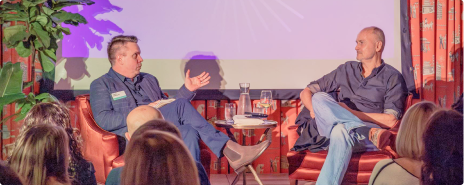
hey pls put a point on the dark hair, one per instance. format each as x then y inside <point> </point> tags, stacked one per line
<point>117,43</point>
<point>161,157</point>
<point>442,158</point>
<point>161,125</point>
<point>56,113</point>
<point>41,152</point>
<point>459,105</point>
<point>8,176</point>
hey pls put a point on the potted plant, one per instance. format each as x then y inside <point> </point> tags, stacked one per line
<point>37,30</point>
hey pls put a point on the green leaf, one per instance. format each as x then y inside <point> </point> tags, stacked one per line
<point>37,44</point>
<point>13,6</point>
<point>29,3</point>
<point>42,19</point>
<point>21,116</point>
<point>47,63</point>
<point>33,12</point>
<point>50,75</point>
<point>47,11</point>
<point>11,81</point>
<point>42,96</point>
<point>67,17</point>
<point>65,30</point>
<point>7,99</point>
<point>59,4</point>
<point>9,117</point>
<point>18,16</point>
<point>15,34</point>
<point>50,53</point>
<point>26,108</point>
<point>27,84</point>
<point>41,34</point>
<point>22,50</point>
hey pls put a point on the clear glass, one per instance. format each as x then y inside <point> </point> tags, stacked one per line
<point>258,108</point>
<point>266,100</point>
<point>229,112</point>
<point>244,102</point>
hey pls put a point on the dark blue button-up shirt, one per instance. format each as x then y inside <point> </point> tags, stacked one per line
<point>141,98</point>
<point>383,91</point>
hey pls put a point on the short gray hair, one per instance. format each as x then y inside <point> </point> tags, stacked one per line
<point>379,35</point>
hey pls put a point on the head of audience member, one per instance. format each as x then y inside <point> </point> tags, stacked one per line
<point>413,125</point>
<point>459,105</point>
<point>124,55</point>
<point>442,158</point>
<point>139,116</point>
<point>370,44</point>
<point>158,156</point>
<point>55,113</point>
<point>41,155</point>
<point>8,176</point>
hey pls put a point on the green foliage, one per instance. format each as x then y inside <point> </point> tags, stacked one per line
<point>11,90</point>
<point>40,28</point>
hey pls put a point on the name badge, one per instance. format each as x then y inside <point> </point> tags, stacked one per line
<point>118,95</point>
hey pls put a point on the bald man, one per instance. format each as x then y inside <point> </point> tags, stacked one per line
<point>371,94</point>
<point>145,113</point>
<point>150,119</point>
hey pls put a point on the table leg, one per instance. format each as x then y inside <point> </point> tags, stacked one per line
<point>267,134</point>
<point>237,178</point>
<point>244,144</point>
<point>255,174</point>
<point>231,136</point>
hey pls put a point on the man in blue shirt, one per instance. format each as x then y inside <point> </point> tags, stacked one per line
<point>124,87</point>
<point>371,95</point>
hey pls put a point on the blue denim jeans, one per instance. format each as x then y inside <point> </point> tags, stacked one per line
<point>340,125</point>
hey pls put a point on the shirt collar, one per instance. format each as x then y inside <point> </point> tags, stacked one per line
<point>375,71</point>
<point>123,78</point>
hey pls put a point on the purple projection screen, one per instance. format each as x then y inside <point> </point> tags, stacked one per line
<point>231,29</point>
<point>273,44</point>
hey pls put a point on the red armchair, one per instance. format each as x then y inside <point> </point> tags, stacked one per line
<point>306,166</point>
<point>101,147</point>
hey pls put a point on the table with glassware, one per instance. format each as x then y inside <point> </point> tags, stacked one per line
<point>268,124</point>
<point>245,119</point>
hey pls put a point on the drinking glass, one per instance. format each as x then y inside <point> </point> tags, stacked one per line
<point>229,112</point>
<point>266,100</point>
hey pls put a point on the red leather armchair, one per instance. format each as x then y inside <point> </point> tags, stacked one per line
<point>306,166</point>
<point>101,147</point>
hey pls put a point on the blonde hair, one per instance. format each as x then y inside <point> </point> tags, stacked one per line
<point>414,123</point>
<point>157,156</point>
<point>41,152</point>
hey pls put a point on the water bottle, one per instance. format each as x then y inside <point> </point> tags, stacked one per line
<point>244,102</point>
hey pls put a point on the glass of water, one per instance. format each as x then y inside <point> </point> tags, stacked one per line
<point>229,112</point>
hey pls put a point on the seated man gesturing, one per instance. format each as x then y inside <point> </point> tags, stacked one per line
<point>124,87</point>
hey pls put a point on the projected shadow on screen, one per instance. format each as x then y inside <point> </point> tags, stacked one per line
<point>82,38</point>
<point>208,62</point>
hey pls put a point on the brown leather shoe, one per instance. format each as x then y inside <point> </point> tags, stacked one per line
<point>379,137</point>
<point>240,156</point>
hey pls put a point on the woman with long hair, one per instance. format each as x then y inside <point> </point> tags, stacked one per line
<point>41,155</point>
<point>81,172</point>
<point>157,157</point>
<point>443,149</point>
<point>406,169</point>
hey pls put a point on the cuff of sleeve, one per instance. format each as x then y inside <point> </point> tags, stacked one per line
<point>393,112</point>
<point>314,87</point>
<point>185,93</point>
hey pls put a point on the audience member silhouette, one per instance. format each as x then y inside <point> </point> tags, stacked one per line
<point>406,169</point>
<point>54,113</point>
<point>442,159</point>
<point>41,155</point>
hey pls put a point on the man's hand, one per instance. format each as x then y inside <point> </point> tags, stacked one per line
<point>194,83</point>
